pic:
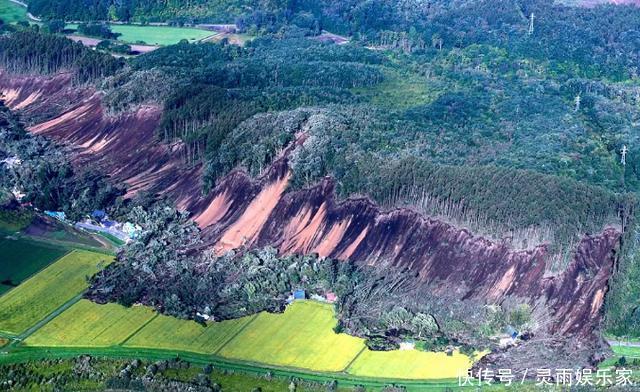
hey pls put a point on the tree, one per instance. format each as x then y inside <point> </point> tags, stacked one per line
<point>424,325</point>
<point>113,13</point>
<point>55,26</point>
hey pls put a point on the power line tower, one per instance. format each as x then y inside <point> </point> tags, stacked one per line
<point>532,18</point>
<point>624,152</point>
<point>577,101</point>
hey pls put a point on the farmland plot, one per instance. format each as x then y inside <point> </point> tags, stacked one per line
<point>87,324</point>
<point>174,334</point>
<point>301,337</point>
<point>45,292</point>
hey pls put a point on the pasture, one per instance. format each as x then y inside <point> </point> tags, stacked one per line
<point>174,334</point>
<point>16,265</point>
<point>87,324</point>
<point>11,12</point>
<point>409,364</point>
<point>301,337</point>
<point>158,35</point>
<point>48,290</point>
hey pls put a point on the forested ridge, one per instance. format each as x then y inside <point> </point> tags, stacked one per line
<point>569,35</point>
<point>466,111</point>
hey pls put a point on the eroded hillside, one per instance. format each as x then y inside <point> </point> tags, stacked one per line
<point>454,270</point>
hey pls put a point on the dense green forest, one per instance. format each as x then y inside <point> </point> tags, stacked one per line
<point>30,51</point>
<point>597,40</point>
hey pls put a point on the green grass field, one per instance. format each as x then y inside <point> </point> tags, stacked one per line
<point>158,35</point>
<point>302,337</point>
<point>632,352</point>
<point>174,334</point>
<point>16,265</point>
<point>87,324</point>
<point>42,294</point>
<point>410,364</point>
<point>155,35</point>
<point>12,12</point>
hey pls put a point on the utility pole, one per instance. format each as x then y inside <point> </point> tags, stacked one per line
<point>531,19</point>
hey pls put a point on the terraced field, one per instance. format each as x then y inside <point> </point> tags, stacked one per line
<point>171,333</point>
<point>42,294</point>
<point>87,324</point>
<point>301,337</point>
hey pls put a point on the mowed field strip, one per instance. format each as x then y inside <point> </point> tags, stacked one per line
<point>170,333</point>
<point>48,290</point>
<point>301,337</point>
<point>87,324</point>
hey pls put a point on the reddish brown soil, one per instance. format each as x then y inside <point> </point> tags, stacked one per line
<point>122,146</point>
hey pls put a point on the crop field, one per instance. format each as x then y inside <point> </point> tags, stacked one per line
<point>301,337</point>
<point>409,364</point>
<point>12,12</point>
<point>16,265</point>
<point>45,292</point>
<point>87,324</point>
<point>174,334</point>
<point>158,35</point>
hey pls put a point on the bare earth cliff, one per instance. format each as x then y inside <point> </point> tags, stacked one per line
<point>448,262</point>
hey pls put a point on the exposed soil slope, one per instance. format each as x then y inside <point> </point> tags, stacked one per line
<point>123,146</point>
<point>240,211</point>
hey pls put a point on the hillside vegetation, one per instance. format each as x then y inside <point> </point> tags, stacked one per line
<point>511,127</point>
